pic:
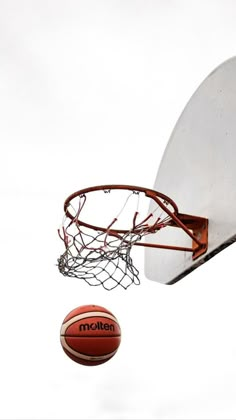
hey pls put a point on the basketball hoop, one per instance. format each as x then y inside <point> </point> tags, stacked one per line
<point>100,253</point>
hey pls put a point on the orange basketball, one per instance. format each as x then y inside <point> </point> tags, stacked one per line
<point>90,335</point>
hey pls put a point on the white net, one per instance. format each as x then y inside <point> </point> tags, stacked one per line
<point>101,256</point>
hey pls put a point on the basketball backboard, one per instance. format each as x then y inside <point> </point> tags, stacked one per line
<point>198,171</point>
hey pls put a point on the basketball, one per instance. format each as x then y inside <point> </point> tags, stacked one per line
<point>90,335</point>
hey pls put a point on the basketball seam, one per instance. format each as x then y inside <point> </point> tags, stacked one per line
<point>88,355</point>
<point>91,311</point>
<point>89,336</point>
<point>85,356</point>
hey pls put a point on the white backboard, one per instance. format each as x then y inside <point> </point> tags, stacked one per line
<point>198,171</point>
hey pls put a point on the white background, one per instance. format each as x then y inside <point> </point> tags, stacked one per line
<point>90,92</point>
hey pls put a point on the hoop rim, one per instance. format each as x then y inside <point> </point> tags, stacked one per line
<point>154,195</point>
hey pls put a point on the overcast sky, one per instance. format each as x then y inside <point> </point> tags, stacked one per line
<point>90,93</point>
